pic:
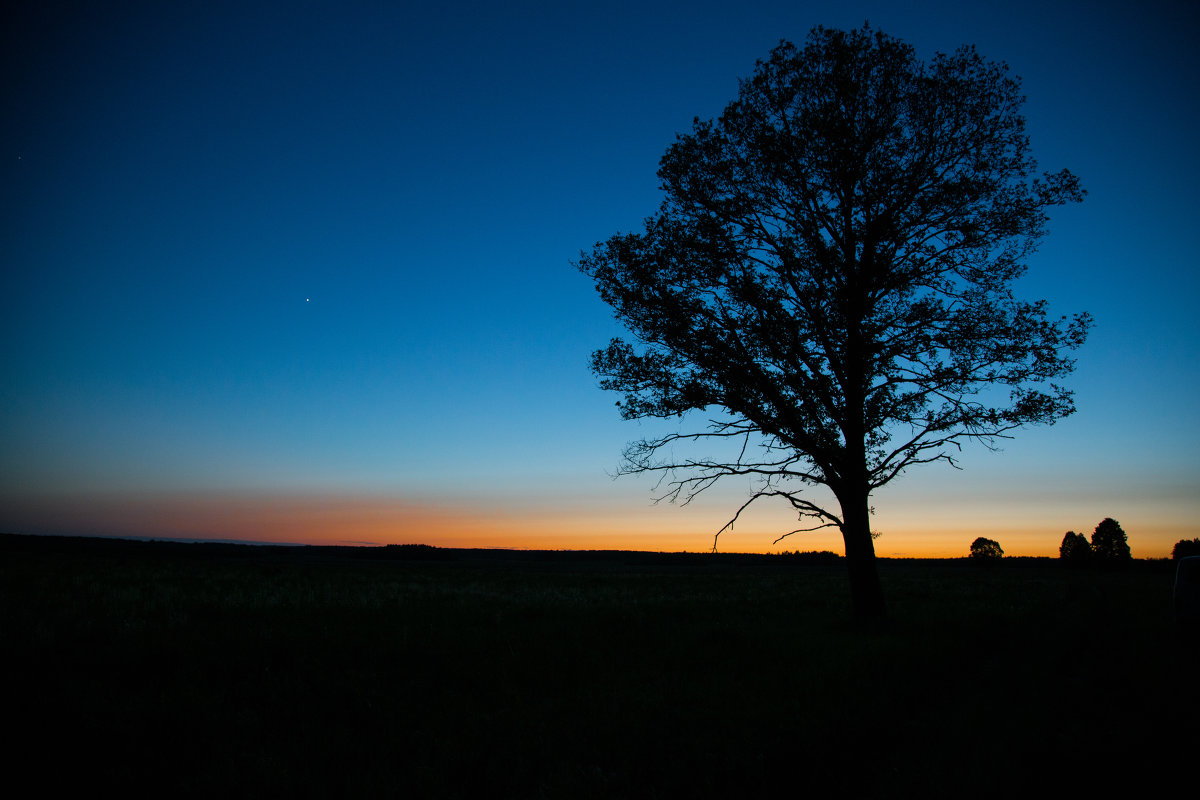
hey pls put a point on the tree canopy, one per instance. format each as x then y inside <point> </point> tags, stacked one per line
<point>1075,548</point>
<point>986,549</point>
<point>829,278</point>
<point>1184,548</point>
<point>1109,543</point>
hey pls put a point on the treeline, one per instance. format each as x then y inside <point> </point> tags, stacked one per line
<point>1109,545</point>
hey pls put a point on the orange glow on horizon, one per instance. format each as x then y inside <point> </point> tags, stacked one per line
<point>375,520</point>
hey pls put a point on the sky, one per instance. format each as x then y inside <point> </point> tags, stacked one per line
<point>303,272</point>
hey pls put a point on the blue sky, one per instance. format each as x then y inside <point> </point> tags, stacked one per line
<point>318,255</point>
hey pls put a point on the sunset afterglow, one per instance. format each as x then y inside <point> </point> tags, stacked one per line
<point>307,277</point>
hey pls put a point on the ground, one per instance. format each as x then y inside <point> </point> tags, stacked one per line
<point>198,670</point>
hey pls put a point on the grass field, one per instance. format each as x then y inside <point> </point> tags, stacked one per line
<point>218,670</point>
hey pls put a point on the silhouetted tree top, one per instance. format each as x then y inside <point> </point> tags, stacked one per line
<point>1109,543</point>
<point>1185,547</point>
<point>829,278</point>
<point>1075,548</point>
<point>986,549</point>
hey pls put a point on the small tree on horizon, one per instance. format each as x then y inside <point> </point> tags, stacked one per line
<point>986,549</point>
<point>1109,544</point>
<point>1075,548</point>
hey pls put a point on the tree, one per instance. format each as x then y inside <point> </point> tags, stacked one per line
<point>829,278</point>
<point>1108,542</point>
<point>1075,548</point>
<point>1184,548</point>
<point>986,549</point>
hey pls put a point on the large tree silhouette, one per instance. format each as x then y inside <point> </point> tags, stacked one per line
<point>829,277</point>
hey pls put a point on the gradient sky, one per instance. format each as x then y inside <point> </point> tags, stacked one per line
<point>302,271</point>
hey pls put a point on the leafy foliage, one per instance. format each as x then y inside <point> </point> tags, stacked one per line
<point>1075,548</point>
<point>1109,544</point>
<point>1185,547</point>
<point>986,549</point>
<point>829,276</point>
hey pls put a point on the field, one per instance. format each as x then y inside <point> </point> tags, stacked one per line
<point>218,670</point>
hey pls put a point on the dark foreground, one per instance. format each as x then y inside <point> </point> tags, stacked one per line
<point>217,670</point>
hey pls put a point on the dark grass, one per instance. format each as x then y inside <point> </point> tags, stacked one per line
<point>205,670</point>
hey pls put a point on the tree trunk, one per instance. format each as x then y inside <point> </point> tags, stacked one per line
<point>866,591</point>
